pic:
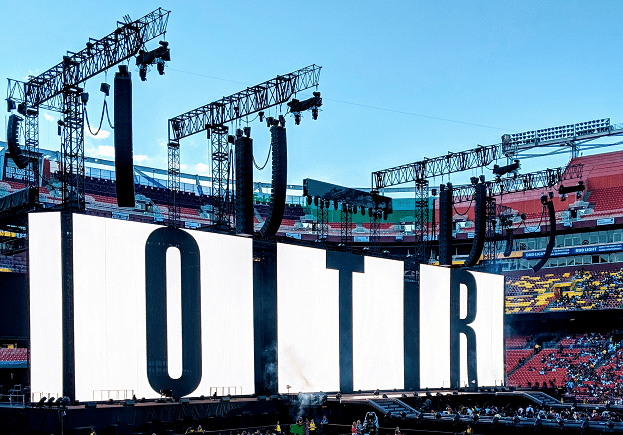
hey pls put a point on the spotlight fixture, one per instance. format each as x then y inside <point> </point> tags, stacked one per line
<point>105,88</point>
<point>502,170</point>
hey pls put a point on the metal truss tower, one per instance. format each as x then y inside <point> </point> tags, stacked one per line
<point>322,221</point>
<point>421,219</point>
<point>346,226</point>
<point>173,173</point>
<point>57,90</point>
<point>31,133</point>
<point>220,174</point>
<point>490,246</point>
<point>214,117</point>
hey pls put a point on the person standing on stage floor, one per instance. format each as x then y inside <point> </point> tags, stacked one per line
<point>359,427</point>
<point>306,426</point>
<point>278,429</point>
<point>324,421</point>
<point>312,427</point>
<point>353,429</point>
<point>397,431</point>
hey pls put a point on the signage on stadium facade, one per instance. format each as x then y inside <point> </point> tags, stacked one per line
<point>580,250</point>
<point>158,308</point>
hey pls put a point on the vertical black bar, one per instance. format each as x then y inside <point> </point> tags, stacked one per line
<point>445,226</point>
<point>67,267</point>
<point>460,326</point>
<point>412,335</point>
<point>346,263</point>
<point>244,185</point>
<point>265,317</point>
<point>124,165</point>
<point>156,311</point>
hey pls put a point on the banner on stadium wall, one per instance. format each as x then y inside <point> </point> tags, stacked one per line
<point>159,308</point>
<point>580,250</point>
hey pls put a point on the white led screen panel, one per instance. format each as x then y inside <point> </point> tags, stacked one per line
<point>46,328</point>
<point>309,312</point>
<point>452,320</point>
<point>111,311</point>
<point>378,325</point>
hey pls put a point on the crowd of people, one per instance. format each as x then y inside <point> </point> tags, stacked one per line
<point>592,295</point>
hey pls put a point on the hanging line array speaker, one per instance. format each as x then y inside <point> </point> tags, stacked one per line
<point>12,139</point>
<point>279,181</point>
<point>552,237</point>
<point>509,242</point>
<point>480,225</point>
<point>244,185</point>
<point>124,167</point>
<point>445,226</point>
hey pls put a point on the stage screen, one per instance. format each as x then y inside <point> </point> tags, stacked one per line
<point>110,315</point>
<point>309,328</point>
<point>437,327</point>
<point>46,338</point>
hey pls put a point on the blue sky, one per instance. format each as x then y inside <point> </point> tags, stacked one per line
<point>400,81</point>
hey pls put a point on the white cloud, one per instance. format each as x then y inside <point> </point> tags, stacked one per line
<point>48,118</point>
<point>103,134</point>
<point>202,168</point>
<point>105,151</point>
<point>140,158</point>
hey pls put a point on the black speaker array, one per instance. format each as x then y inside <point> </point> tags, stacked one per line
<point>124,167</point>
<point>552,237</point>
<point>509,242</point>
<point>480,225</point>
<point>279,181</point>
<point>12,139</point>
<point>445,227</point>
<point>244,185</point>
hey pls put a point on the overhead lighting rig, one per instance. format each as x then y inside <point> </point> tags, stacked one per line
<point>313,103</point>
<point>578,189</point>
<point>156,56</point>
<point>503,170</point>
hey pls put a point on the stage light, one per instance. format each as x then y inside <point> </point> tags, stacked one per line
<point>502,170</point>
<point>474,180</point>
<point>160,67</point>
<point>105,89</point>
<point>551,195</point>
<point>10,105</point>
<point>247,131</point>
<point>261,115</point>
<point>543,199</point>
<point>84,97</point>
<point>516,419</point>
<point>315,113</point>
<point>297,118</point>
<point>282,121</point>
<point>238,132</point>
<point>142,72</point>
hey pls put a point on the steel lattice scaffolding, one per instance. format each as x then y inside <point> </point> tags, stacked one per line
<point>421,219</point>
<point>220,174</point>
<point>173,154</point>
<point>322,221</point>
<point>346,226</point>
<point>57,89</point>
<point>490,247</point>
<point>31,134</point>
<point>72,149</point>
<point>215,115</point>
